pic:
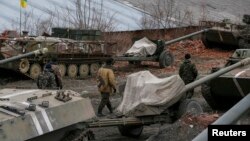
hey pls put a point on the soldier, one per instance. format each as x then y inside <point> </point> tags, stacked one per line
<point>106,85</point>
<point>56,71</point>
<point>46,80</point>
<point>188,73</point>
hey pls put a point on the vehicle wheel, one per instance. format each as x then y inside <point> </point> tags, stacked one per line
<point>35,70</point>
<point>84,70</point>
<point>204,40</point>
<point>62,68</point>
<point>166,59</point>
<point>94,68</point>
<point>72,70</point>
<point>189,106</point>
<point>130,131</point>
<point>207,94</point>
<point>24,65</point>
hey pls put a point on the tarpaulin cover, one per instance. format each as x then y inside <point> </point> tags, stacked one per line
<point>142,47</point>
<point>143,88</point>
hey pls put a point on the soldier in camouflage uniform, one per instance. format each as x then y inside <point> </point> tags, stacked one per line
<point>188,73</point>
<point>47,80</point>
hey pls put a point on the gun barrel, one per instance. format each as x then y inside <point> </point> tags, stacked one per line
<point>35,53</point>
<point>216,74</point>
<point>185,36</point>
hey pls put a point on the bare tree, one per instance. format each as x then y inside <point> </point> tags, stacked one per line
<point>165,14</point>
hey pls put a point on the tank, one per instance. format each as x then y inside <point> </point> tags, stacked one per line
<point>230,87</point>
<point>38,115</point>
<point>226,35</point>
<point>75,58</point>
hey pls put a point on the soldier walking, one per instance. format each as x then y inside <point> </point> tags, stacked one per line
<point>106,85</point>
<point>188,73</point>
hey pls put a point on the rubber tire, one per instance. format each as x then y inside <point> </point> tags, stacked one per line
<point>205,42</point>
<point>72,70</point>
<point>166,59</point>
<point>131,131</point>
<point>189,106</point>
<point>62,68</point>
<point>35,70</point>
<point>84,70</point>
<point>94,68</point>
<point>24,65</point>
<point>207,94</point>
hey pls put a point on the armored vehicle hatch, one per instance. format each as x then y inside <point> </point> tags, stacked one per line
<point>36,114</point>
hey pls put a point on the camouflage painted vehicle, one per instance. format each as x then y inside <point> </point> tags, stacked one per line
<point>39,115</point>
<point>75,58</point>
<point>225,91</point>
<point>227,35</point>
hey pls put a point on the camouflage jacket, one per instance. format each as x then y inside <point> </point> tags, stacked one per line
<point>56,71</point>
<point>188,71</point>
<point>106,80</point>
<point>46,80</point>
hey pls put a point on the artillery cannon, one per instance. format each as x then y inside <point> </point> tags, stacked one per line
<point>168,112</point>
<point>164,57</point>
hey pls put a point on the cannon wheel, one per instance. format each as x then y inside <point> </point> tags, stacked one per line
<point>35,70</point>
<point>207,94</point>
<point>166,59</point>
<point>94,68</point>
<point>72,70</point>
<point>62,68</point>
<point>84,70</point>
<point>130,131</point>
<point>24,65</point>
<point>189,106</point>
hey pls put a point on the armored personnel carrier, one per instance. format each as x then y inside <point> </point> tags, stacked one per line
<point>227,35</point>
<point>225,91</point>
<point>38,115</point>
<point>75,58</point>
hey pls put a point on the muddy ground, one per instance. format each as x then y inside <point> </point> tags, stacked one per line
<point>184,129</point>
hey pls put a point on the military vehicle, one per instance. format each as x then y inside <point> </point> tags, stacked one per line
<point>227,35</point>
<point>223,92</point>
<point>75,58</point>
<point>38,115</point>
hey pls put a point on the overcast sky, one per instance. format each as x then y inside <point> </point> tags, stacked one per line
<point>126,18</point>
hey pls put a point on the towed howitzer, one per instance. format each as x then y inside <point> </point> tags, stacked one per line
<point>167,113</point>
<point>38,52</point>
<point>164,57</point>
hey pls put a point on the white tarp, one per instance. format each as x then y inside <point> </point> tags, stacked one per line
<point>142,47</point>
<point>145,88</point>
